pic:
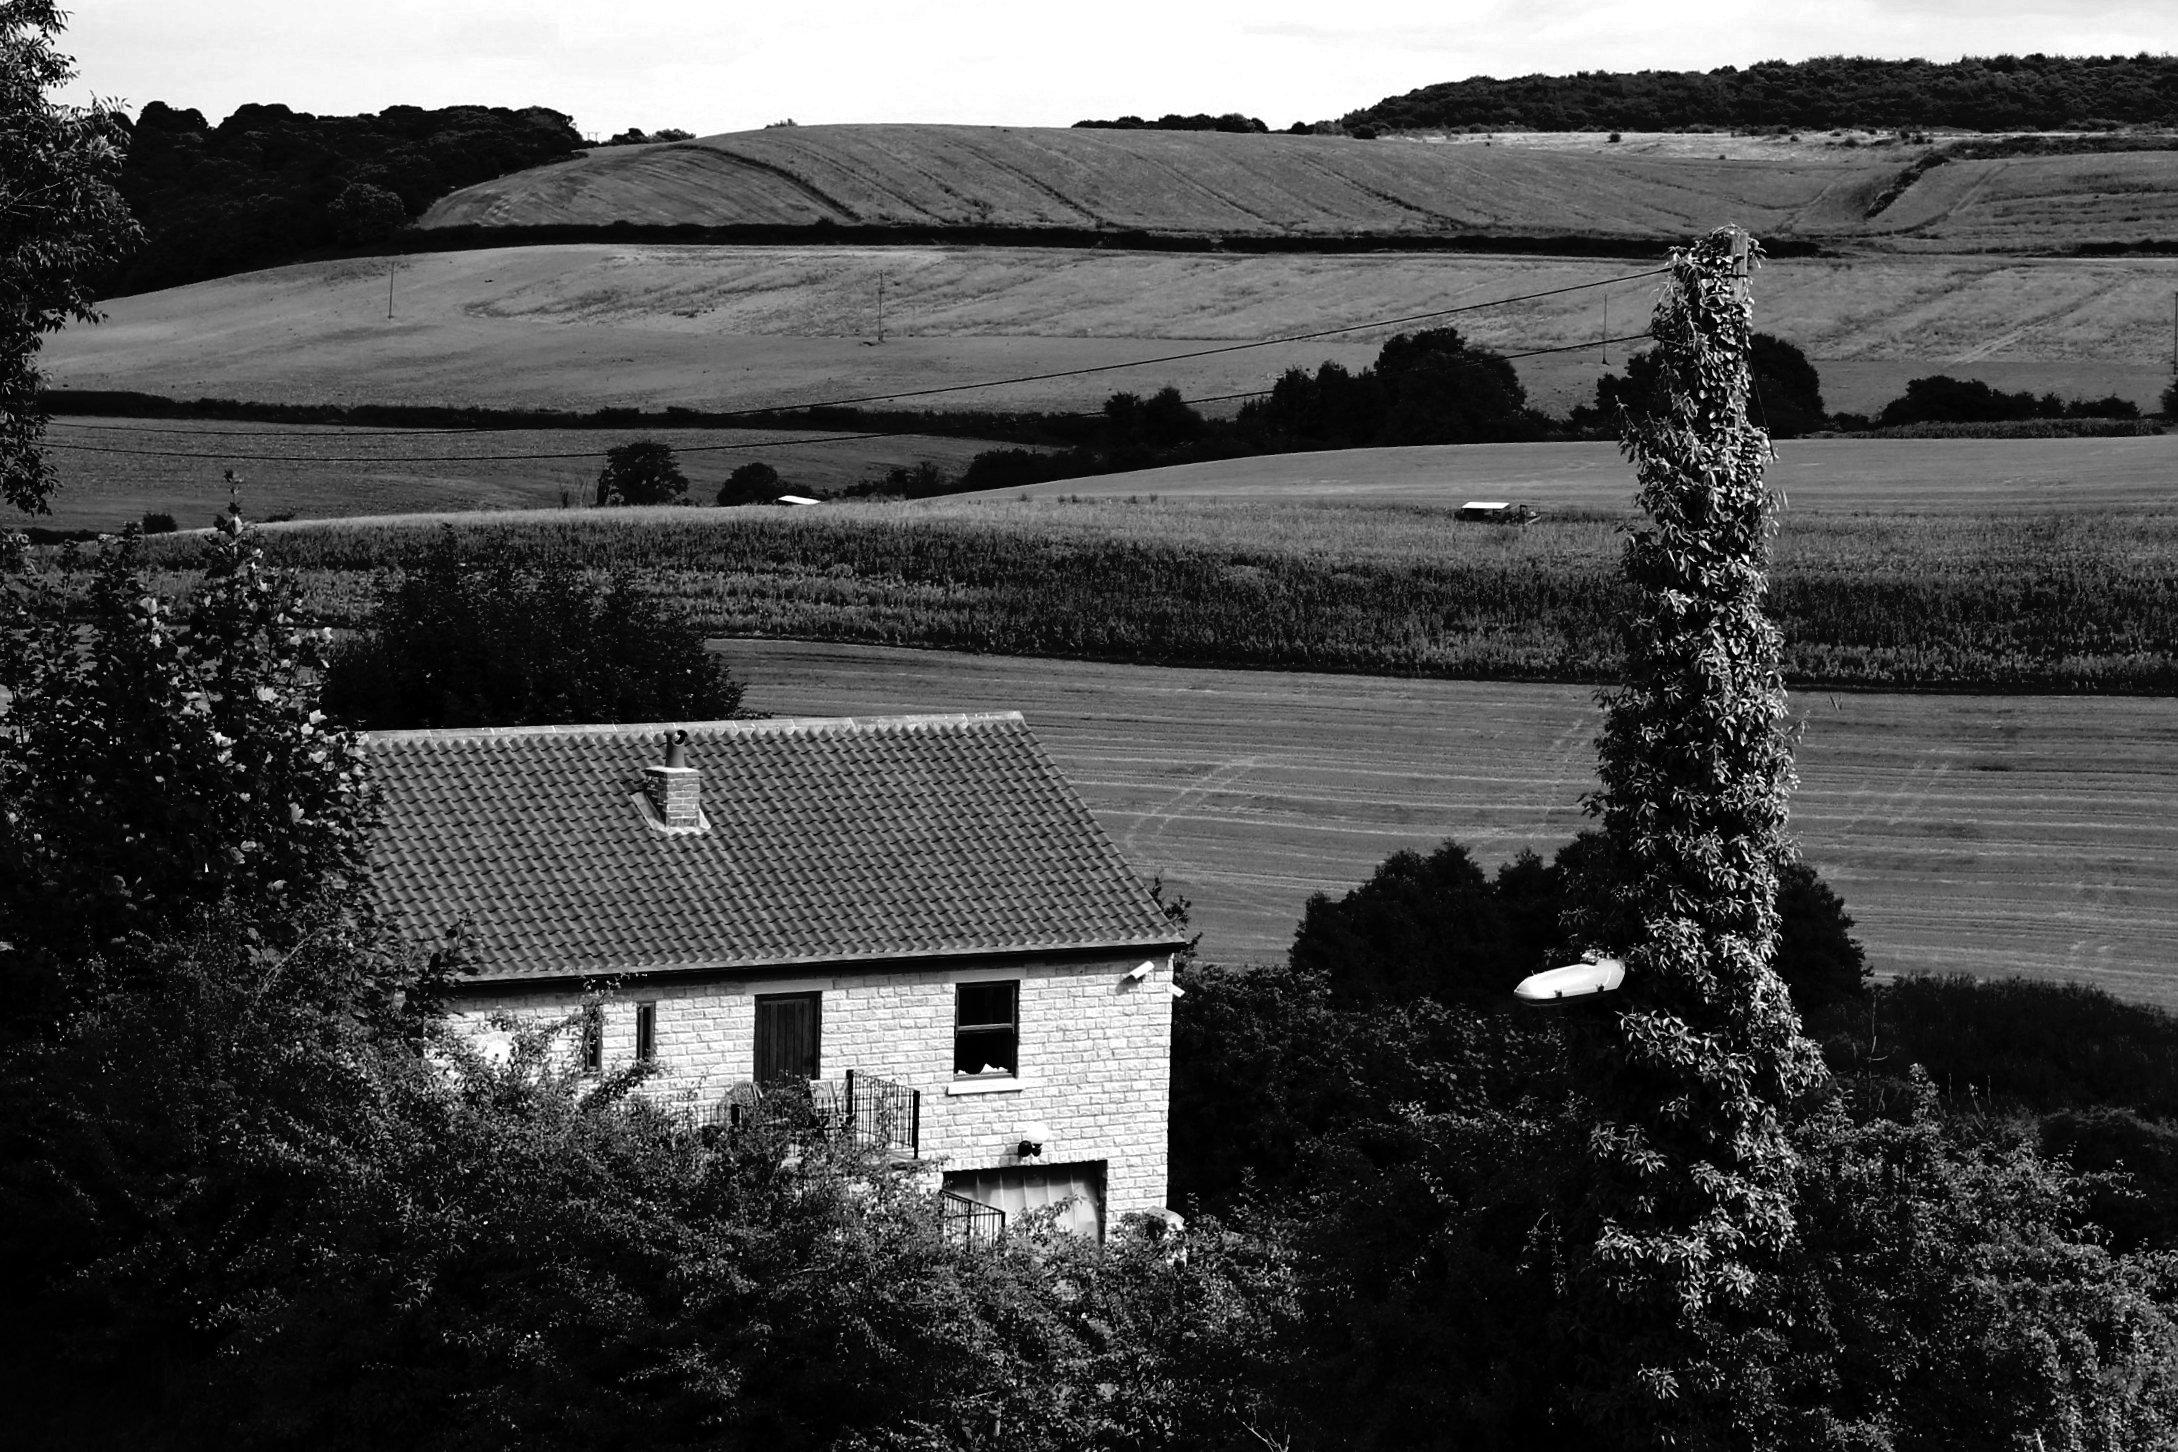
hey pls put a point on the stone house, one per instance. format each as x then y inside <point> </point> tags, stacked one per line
<point>915,915</point>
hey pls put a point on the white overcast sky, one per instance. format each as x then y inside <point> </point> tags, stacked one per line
<point>727,65</point>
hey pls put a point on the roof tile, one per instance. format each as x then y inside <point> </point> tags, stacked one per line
<point>831,841</point>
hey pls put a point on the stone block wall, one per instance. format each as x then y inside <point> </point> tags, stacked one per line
<point>1095,1055</point>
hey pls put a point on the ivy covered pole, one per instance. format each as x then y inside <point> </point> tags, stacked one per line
<point>1689,1195</point>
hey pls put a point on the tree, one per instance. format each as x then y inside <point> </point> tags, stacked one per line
<point>1434,927</point>
<point>1788,390</point>
<point>364,213</point>
<point>642,471</point>
<point>1689,1195</point>
<point>750,484</point>
<point>454,643</point>
<point>61,224</point>
<point>162,766</point>
<point>2169,405</point>
<point>1420,927</point>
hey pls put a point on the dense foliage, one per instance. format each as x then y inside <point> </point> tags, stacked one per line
<point>1434,926</point>
<point>270,185</point>
<point>641,471</point>
<point>750,484</point>
<point>454,641</point>
<point>1955,1281</point>
<point>160,766</point>
<point>1944,399</point>
<point>1172,121</point>
<point>61,223</point>
<point>1687,1191</point>
<point>254,1194</point>
<point>1788,392</point>
<point>1978,93</point>
<point>1428,388</point>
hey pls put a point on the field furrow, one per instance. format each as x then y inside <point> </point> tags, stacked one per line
<point>1983,834</point>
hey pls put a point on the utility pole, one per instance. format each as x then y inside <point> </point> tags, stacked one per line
<point>389,288</point>
<point>1606,328</point>
<point>881,307</point>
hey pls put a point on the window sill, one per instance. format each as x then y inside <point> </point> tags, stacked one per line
<point>987,1086</point>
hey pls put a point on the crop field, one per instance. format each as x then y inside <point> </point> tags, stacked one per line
<point>1233,185</point>
<point>2077,602</point>
<point>1982,834</point>
<point>177,467</point>
<point>582,326</point>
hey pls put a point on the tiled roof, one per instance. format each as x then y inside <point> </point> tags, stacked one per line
<point>830,841</point>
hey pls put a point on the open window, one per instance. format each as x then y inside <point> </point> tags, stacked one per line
<point>986,1030</point>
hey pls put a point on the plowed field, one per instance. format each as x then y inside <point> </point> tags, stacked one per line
<point>1984,834</point>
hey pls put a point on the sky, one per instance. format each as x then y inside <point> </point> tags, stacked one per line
<point>706,66</point>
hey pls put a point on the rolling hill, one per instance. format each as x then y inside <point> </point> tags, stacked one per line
<point>593,324</point>
<point>1207,183</point>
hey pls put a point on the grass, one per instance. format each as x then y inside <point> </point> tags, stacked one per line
<point>580,326</point>
<point>1195,182</point>
<point>2033,602</point>
<point>1983,834</point>
<point>1901,477</point>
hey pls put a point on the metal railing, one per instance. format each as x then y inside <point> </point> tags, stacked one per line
<point>869,1110</point>
<point>969,1222</point>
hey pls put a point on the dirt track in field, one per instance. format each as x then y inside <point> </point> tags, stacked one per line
<point>1985,834</point>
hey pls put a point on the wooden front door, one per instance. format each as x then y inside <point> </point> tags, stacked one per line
<point>788,1030</point>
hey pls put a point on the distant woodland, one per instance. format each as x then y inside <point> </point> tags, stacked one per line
<point>268,185</point>
<point>2035,92</point>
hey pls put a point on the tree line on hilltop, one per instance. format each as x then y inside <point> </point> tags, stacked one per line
<point>269,184</point>
<point>1978,93</point>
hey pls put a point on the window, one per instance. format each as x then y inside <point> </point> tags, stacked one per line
<point>593,1038</point>
<point>986,1029</point>
<point>646,1033</point>
<point>789,1036</point>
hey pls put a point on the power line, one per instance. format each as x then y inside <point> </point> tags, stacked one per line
<point>1022,378</point>
<point>287,433</point>
<point>463,458</point>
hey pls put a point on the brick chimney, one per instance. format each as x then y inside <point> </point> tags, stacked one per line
<point>675,788</point>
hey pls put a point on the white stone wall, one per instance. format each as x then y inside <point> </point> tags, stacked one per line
<point>1095,1055</point>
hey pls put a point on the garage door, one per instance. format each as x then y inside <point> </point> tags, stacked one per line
<point>1077,1189</point>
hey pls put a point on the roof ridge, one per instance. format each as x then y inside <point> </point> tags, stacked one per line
<point>735,726</point>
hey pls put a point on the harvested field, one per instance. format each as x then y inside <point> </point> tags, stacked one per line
<point>453,471</point>
<point>582,326</point>
<point>1247,185</point>
<point>1983,834</point>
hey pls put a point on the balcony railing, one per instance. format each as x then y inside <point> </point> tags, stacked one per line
<point>869,1110</point>
<point>969,1222</point>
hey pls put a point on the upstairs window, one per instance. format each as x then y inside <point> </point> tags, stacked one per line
<point>986,1029</point>
<point>646,1033</point>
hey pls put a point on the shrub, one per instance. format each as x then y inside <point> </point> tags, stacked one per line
<point>754,483</point>
<point>451,643</point>
<point>158,523</point>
